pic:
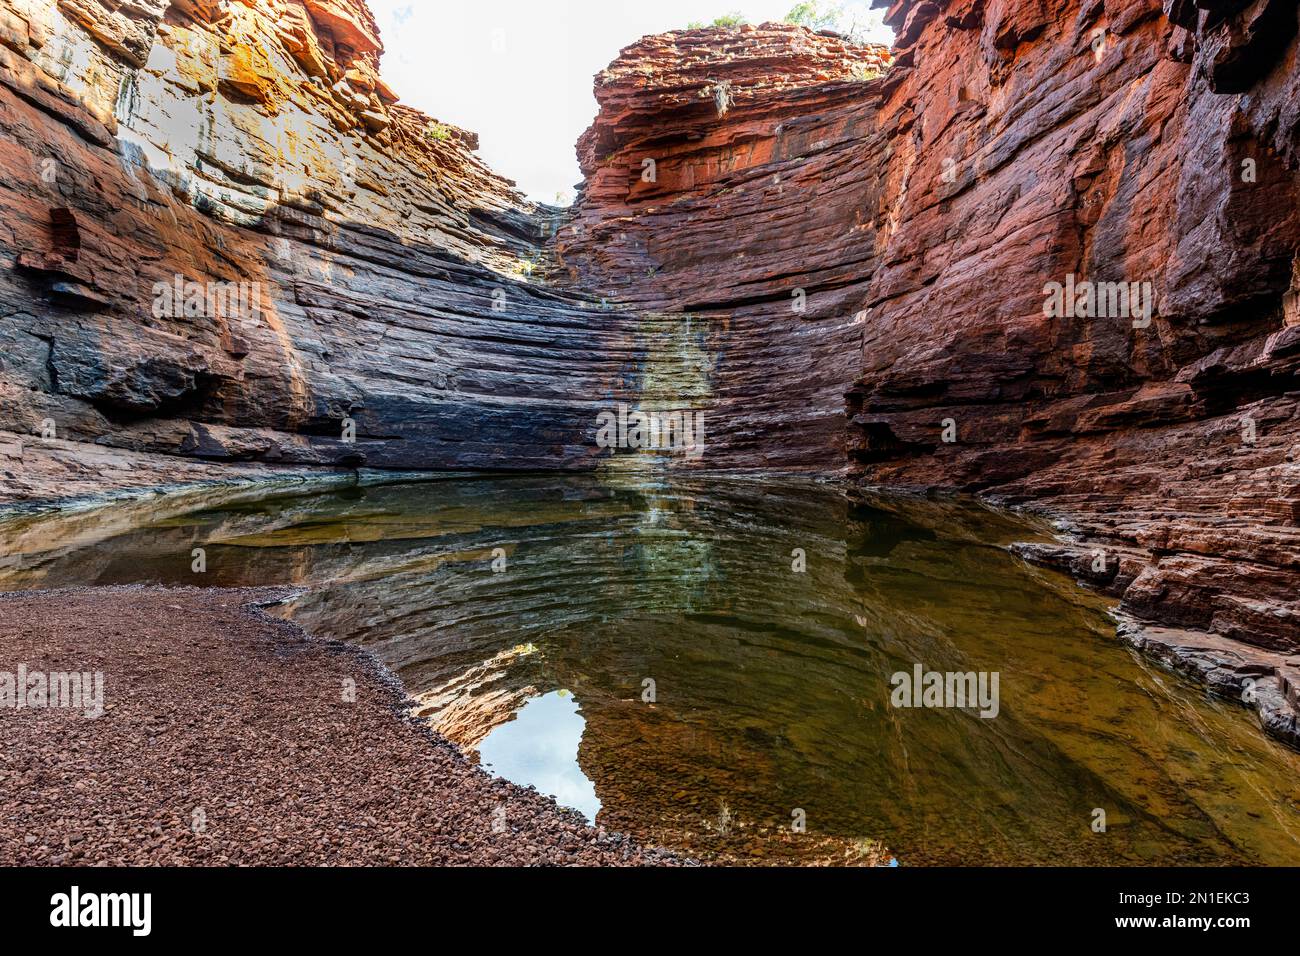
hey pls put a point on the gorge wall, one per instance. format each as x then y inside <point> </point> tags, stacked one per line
<point>1116,142</point>
<point>225,240</point>
<point>919,218</point>
<point>840,254</point>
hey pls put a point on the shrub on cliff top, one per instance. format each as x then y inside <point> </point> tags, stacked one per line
<point>728,21</point>
<point>825,15</point>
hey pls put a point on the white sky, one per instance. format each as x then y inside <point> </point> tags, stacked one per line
<point>519,72</point>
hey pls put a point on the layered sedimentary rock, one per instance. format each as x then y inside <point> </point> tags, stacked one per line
<point>224,239</point>
<point>1067,236</point>
<point>228,241</point>
<point>724,186</point>
<point>1116,142</point>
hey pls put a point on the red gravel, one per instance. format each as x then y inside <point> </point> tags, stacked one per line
<point>212,707</point>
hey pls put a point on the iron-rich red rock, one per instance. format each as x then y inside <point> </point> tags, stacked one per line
<point>890,275</point>
<point>224,239</point>
<point>1013,145</point>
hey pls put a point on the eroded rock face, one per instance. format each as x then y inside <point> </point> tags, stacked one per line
<point>669,168</point>
<point>725,190</point>
<point>1013,145</point>
<point>225,239</point>
<point>1101,142</point>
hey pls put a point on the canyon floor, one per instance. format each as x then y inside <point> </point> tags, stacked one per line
<point>232,739</point>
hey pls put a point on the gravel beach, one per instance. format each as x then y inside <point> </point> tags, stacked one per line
<point>231,738</point>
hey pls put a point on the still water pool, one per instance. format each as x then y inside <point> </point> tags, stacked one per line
<point>650,652</point>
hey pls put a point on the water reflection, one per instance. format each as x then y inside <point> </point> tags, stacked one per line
<point>538,747</point>
<point>771,688</point>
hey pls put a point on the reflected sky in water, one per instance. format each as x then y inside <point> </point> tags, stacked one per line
<point>539,748</point>
<point>773,686</point>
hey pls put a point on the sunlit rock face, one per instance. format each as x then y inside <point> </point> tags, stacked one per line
<point>728,168</point>
<point>225,239</point>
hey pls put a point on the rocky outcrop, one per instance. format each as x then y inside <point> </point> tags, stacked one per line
<point>228,241</point>
<point>724,186</point>
<point>688,205</point>
<point>1043,250</point>
<point>1011,146</point>
<point>1115,142</point>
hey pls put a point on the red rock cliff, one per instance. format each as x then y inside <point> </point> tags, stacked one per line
<point>251,149</point>
<point>1013,145</point>
<point>725,184</point>
<point>1109,142</point>
<point>842,255</point>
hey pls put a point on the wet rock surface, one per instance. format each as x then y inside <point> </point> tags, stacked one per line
<point>231,739</point>
<point>50,474</point>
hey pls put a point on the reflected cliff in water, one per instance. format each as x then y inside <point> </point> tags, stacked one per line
<point>645,650</point>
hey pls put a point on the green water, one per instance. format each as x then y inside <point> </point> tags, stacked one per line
<point>527,616</point>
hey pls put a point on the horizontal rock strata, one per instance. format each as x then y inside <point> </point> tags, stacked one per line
<point>1107,142</point>
<point>1011,145</point>
<point>228,241</point>
<point>724,189</point>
